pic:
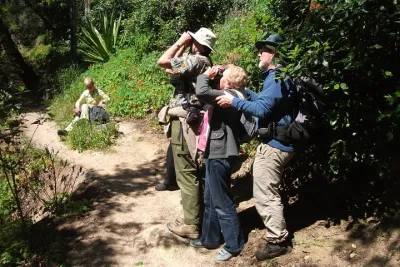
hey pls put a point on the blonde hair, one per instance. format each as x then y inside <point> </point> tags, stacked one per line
<point>88,81</point>
<point>237,76</point>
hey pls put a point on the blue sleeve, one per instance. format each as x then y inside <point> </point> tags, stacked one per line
<point>253,96</point>
<point>262,107</point>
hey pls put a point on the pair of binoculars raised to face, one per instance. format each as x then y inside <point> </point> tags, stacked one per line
<point>220,73</point>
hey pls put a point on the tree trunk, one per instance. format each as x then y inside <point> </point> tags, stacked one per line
<point>27,74</point>
<point>74,53</point>
<point>47,24</point>
<point>87,8</point>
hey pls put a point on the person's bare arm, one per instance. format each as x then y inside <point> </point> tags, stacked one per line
<point>179,47</point>
<point>179,53</point>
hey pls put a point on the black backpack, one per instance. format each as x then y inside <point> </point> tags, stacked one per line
<point>309,107</point>
<point>98,114</point>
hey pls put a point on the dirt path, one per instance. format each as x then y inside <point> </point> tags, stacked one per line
<point>127,223</point>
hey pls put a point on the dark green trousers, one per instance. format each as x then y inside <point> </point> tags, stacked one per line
<point>186,175</point>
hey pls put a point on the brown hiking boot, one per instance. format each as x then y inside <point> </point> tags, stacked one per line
<point>184,230</point>
<point>272,250</point>
<point>179,221</point>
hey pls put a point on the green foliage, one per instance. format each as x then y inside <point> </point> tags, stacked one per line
<point>7,204</point>
<point>139,40</point>
<point>21,22</point>
<point>65,76</point>
<point>145,90</point>
<point>250,148</point>
<point>39,53</point>
<point>236,38</point>
<point>164,20</point>
<point>13,246</point>
<point>26,23</point>
<point>136,86</point>
<point>99,44</point>
<point>349,47</point>
<point>86,135</point>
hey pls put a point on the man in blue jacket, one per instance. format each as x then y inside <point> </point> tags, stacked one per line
<point>274,107</point>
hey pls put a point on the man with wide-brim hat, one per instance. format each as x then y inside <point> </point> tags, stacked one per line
<point>274,41</point>
<point>275,105</point>
<point>205,37</point>
<point>186,67</point>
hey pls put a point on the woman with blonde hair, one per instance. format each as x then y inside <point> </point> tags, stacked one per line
<point>220,143</point>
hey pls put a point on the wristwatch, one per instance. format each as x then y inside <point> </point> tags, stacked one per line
<point>177,44</point>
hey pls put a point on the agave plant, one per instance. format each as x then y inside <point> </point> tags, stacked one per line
<point>99,44</point>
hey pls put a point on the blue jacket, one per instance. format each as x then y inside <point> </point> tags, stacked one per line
<point>275,101</point>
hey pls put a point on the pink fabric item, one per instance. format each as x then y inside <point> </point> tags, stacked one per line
<point>204,132</point>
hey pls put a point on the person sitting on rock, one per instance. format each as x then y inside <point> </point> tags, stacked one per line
<point>92,97</point>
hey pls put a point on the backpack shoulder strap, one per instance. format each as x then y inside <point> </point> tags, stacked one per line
<point>235,93</point>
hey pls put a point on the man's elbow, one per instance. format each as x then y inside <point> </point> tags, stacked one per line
<point>203,93</point>
<point>200,93</point>
<point>263,113</point>
<point>205,98</point>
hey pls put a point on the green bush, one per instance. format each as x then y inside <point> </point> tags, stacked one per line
<point>236,38</point>
<point>164,20</point>
<point>40,51</point>
<point>39,54</point>
<point>65,76</point>
<point>145,90</point>
<point>86,135</point>
<point>136,86</point>
<point>14,247</point>
<point>7,204</point>
<point>139,40</point>
<point>350,47</point>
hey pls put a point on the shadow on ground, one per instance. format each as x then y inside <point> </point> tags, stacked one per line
<point>360,207</point>
<point>71,242</point>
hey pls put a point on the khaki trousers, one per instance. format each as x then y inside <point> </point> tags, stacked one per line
<point>267,171</point>
<point>186,175</point>
<point>84,115</point>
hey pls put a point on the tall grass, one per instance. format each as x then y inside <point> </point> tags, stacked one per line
<point>86,135</point>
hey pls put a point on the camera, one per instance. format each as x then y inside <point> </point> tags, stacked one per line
<point>220,73</point>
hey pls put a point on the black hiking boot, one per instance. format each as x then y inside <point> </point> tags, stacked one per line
<point>163,187</point>
<point>273,250</point>
<point>62,132</point>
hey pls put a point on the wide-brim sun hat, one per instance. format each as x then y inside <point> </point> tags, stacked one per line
<point>205,37</point>
<point>274,40</point>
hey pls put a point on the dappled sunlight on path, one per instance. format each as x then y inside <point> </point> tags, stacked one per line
<point>126,223</point>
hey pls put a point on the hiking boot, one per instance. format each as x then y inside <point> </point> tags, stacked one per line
<point>62,132</point>
<point>163,187</point>
<point>273,250</point>
<point>224,255</point>
<point>196,243</point>
<point>179,221</point>
<point>184,230</point>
